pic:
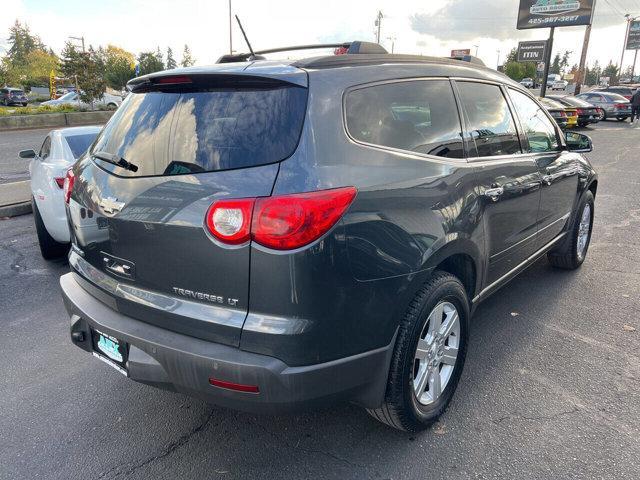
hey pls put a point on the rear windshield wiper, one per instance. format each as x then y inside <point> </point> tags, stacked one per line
<point>114,159</point>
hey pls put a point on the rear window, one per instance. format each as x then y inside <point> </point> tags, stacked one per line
<point>614,97</point>
<point>80,143</point>
<point>173,133</point>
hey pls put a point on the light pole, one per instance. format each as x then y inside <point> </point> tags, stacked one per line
<point>393,42</point>
<point>477,46</point>
<point>624,44</point>
<point>498,62</point>
<point>81,39</point>
<point>230,31</point>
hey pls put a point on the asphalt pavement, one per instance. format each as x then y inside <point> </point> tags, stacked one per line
<point>12,167</point>
<point>551,387</point>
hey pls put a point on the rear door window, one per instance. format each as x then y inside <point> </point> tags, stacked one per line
<point>417,116</point>
<point>489,121</point>
<point>172,133</point>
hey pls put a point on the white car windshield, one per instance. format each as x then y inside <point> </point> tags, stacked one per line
<point>68,96</point>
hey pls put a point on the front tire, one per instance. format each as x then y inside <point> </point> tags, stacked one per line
<point>49,248</point>
<point>428,356</point>
<point>573,252</point>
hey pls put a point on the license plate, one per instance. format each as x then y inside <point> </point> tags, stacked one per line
<point>110,350</point>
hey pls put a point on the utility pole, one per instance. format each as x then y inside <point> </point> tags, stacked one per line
<point>624,45</point>
<point>477,47</point>
<point>81,39</point>
<point>230,31</point>
<point>547,62</point>
<point>583,60</point>
<point>378,24</point>
<point>633,69</point>
<point>498,62</point>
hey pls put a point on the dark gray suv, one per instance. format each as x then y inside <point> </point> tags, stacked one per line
<point>270,236</point>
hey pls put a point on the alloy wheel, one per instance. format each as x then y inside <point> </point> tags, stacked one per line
<point>584,229</point>
<point>436,353</point>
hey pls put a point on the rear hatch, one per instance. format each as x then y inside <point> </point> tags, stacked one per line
<point>183,142</point>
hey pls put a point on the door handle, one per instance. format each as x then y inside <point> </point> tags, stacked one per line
<point>494,193</point>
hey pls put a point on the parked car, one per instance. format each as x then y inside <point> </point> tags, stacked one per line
<point>587,113</point>
<point>13,96</point>
<point>556,110</point>
<point>527,83</point>
<point>60,149</point>
<point>283,236</point>
<point>626,92</point>
<point>611,105</point>
<point>73,99</point>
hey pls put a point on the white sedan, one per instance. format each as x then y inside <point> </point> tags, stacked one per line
<point>72,99</point>
<point>60,150</point>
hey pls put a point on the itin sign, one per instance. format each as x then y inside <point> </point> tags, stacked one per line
<point>554,13</point>
<point>531,51</point>
<point>633,39</point>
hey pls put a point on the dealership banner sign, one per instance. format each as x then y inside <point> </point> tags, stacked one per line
<point>532,51</point>
<point>633,39</point>
<point>461,52</point>
<point>554,13</point>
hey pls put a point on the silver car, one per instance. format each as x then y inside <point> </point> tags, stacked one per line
<point>611,105</point>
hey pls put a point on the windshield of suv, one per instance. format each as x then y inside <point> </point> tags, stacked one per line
<point>172,133</point>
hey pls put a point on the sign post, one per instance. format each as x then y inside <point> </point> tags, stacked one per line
<point>551,14</point>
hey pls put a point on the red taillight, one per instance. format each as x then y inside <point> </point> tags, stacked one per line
<point>174,79</point>
<point>69,180</point>
<point>292,221</point>
<point>230,220</point>
<point>340,51</point>
<point>281,222</point>
<point>59,181</point>
<point>621,105</point>
<point>580,111</point>
<point>238,387</point>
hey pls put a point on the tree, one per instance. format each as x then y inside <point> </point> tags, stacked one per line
<point>27,62</point>
<point>159,57</point>
<point>149,63</point>
<point>87,69</point>
<point>171,62</point>
<point>592,74</point>
<point>119,66</point>
<point>611,71</point>
<point>187,58</point>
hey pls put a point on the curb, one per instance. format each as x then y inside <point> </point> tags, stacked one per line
<point>43,120</point>
<point>15,209</point>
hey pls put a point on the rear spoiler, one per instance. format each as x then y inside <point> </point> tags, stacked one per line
<point>355,47</point>
<point>470,59</point>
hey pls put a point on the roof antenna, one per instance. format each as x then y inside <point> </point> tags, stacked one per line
<point>253,55</point>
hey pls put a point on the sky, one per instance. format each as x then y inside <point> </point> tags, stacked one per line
<point>429,27</point>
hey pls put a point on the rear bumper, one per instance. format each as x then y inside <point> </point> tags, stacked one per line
<point>177,362</point>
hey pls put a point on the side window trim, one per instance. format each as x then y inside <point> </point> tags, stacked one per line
<point>469,147</point>
<point>447,160</point>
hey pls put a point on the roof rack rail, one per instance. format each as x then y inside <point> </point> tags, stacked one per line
<point>355,47</point>
<point>469,58</point>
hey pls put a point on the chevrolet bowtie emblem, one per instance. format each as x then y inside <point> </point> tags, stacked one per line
<point>111,205</point>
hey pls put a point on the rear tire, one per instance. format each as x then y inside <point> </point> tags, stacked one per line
<point>49,248</point>
<point>573,252</point>
<point>437,321</point>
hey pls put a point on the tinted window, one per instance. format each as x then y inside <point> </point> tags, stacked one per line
<point>203,131</point>
<point>418,116</point>
<point>80,143</point>
<point>538,128</point>
<point>614,97</point>
<point>46,148</point>
<point>490,123</point>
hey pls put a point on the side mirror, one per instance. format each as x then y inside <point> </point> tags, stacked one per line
<point>578,142</point>
<point>27,154</point>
